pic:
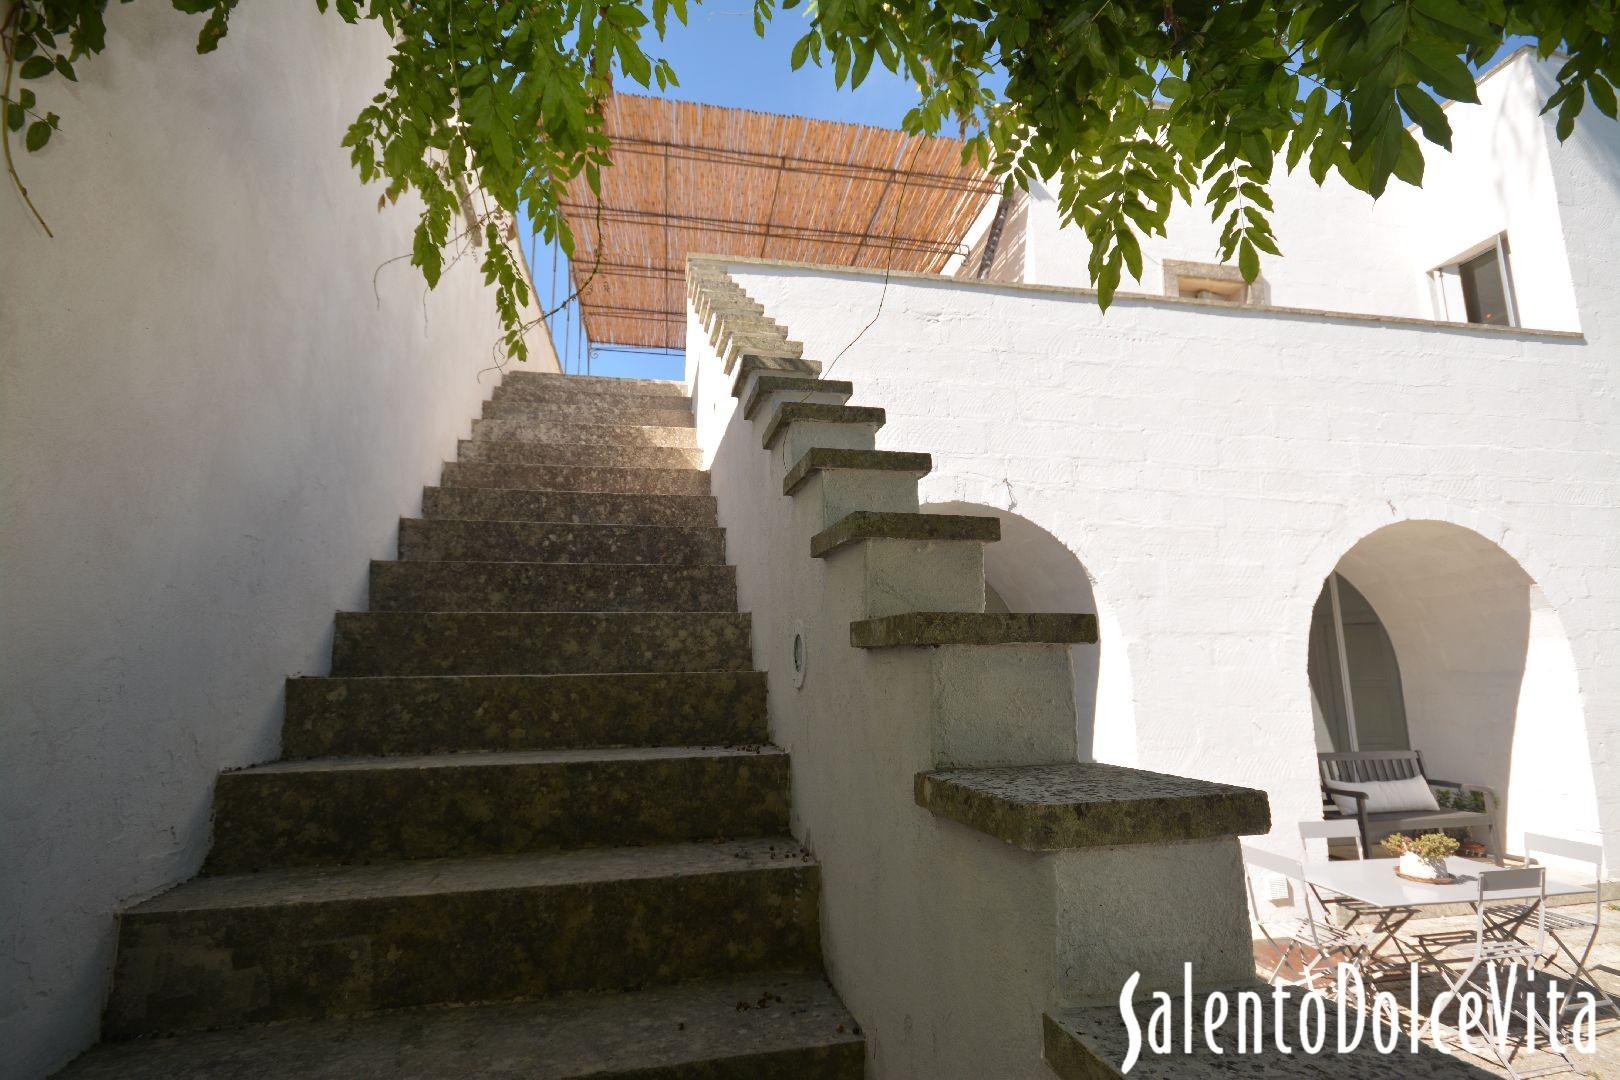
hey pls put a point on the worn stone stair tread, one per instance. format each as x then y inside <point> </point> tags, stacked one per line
<point>929,628</point>
<point>830,458</point>
<point>426,714</point>
<point>571,433</point>
<point>493,873</point>
<point>795,1026</point>
<point>594,382</point>
<point>483,540</point>
<point>611,479</point>
<point>538,643</point>
<point>766,385</point>
<point>1078,804</point>
<point>501,452</point>
<point>902,525</point>
<point>470,585</point>
<point>793,412</point>
<point>577,507</point>
<point>369,810</point>
<point>750,364</point>
<point>1089,1042</point>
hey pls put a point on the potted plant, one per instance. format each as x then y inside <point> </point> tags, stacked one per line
<point>1423,857</point>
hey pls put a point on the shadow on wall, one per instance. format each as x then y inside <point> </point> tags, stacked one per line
<point>1030,570</point>
<point>1489,683</point>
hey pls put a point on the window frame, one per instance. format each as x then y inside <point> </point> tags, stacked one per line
<point>1445,283</point>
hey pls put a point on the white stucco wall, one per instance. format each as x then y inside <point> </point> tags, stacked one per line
<point>1208,466</point>
<point>208,424</point>
<point>1342,251</point>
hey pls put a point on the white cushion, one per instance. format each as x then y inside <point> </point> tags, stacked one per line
<point>1387,796</point>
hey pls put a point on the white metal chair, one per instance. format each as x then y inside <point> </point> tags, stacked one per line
<point>1573,923</point>
<point>1295,925</point>
<point>1500,892</point>
<point>1334,829</point>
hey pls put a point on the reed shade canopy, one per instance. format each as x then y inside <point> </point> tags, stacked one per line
<point>706,180</point>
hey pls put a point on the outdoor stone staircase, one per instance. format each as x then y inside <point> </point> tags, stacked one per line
<point>535,786</point>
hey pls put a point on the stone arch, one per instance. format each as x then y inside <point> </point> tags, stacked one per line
<point>1030,569</point>
<point>1489,679</point>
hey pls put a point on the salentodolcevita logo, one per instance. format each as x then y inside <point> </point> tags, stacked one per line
<point>1505,1010</point>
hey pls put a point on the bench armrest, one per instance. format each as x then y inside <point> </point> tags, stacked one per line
<point>1490,797</point>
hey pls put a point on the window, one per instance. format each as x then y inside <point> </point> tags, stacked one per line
<point>1211,281</point>
<point>1478,287</point>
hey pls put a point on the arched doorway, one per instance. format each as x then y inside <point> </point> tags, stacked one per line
<point>1029,569</point>
<point>1441,642</point>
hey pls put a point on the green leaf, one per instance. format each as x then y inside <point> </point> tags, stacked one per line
<point>65,68</point>
<point>1248,260</point>
<point>1427,114</point>
<point>15,115</point>
<point>39,133</point>
<point>1602,95</point>
<point>1442,69</point>
<point>35,67</point>
<point>801,51</point>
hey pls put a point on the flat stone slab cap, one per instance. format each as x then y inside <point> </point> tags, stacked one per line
<point>792,412</point>
<point>973,628</point>
<point>769,384</point>
<point>818,458</point>
<point>1080,804</point>
<point>899,525</point>
<point>785,366</point>
<point>1090,1043</point>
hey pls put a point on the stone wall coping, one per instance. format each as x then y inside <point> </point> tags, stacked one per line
<point>1128,299</point>
<point>900,525</point>
<point>930,628</point>
<point>1090,804</point>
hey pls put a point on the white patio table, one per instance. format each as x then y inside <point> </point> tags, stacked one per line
<point>1393,901</point>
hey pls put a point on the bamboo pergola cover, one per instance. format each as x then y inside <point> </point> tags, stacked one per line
<point>712,180</point>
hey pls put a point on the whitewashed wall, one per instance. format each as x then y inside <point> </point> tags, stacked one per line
<point>1342,251</point>
<point>208,424</point>
<point>1209,466</point>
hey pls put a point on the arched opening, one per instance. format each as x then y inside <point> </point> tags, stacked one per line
<point>1429,637</point>
<point>1029,569</point>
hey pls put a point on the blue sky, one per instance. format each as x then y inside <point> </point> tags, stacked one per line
<point>721,61</point>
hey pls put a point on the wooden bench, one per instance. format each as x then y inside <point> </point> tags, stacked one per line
<point>1360,767</point>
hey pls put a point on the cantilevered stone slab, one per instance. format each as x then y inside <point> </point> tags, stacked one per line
<point>973,628</point>
<point>752,363</point>
<point>1090,1043</point>
<point>1088,804</point>
<point>794,412</point>
<point>881,525</point>
<point>766,385</point>
<point>821,458</point>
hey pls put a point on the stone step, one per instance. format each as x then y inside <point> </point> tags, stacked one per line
<point>369,810</point>
<point>591,384</point>
<point>538,643</point>
<point>619,457</point>
<point>588,507</point>
<point>609,397</point>
<point>447,540</point>
<point>573,434</point>
<point>793,1026</point>
<point>313,943</point>
<point>607,411</point>
<point>578,478</point>
<point>522,586</point>
<point>336,717</point>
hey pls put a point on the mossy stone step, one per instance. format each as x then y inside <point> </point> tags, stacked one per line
<point>336,717</point>
<point>1089,804</point>
<point>832,458</point>
<point>751,364</point>
<point>549,381</point>
<point>538,643</point>
<point>766,385</point>
<point>586,507</point>
<point>447,540</point>
<point>589,412</point>
<point>313,943</point>
<point>368,810</point>
<point>613,457</point>
<point>644,481</point>
<point>607,398</point>
<point>794,1028</point>
<point>524,586</point>
<point>930,628</point>
<point>900,525</point>
<point>578,434</point>
<point>811,412</point>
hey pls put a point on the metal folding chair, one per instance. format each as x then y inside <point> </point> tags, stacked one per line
<point>1295,925</point>
<point>1491,947</point>
<point>1573,923</point>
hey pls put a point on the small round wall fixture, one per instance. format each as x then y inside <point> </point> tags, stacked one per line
<point>798,654</point>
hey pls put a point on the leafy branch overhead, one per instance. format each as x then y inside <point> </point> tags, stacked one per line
<point>494,106</point>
